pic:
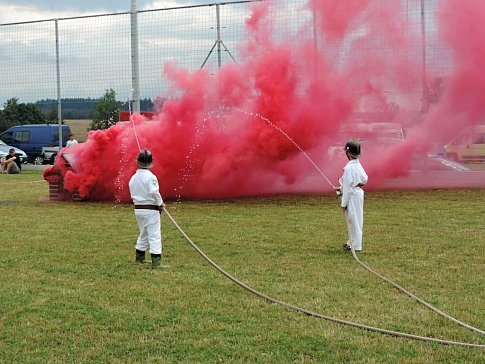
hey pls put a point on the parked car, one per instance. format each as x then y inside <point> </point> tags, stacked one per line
<point>468,146</point>
<point>373,134</point>
<point>372,130</point>
<point>49,154</point>
<point>4,149</point>
<point>370,147</point>
<point>32,138</point>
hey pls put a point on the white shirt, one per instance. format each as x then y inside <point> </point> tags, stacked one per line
<point>70,143</point>
<point>144,188</point>
<point>354,175</point>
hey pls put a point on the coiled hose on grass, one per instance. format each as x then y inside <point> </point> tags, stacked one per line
<point>316,314</point>
<point>405,291</point>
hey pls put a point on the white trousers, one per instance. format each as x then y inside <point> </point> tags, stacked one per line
<point>150,234</point>
<point>354,217</point>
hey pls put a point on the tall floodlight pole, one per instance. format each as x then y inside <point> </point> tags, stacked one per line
<point>218,42</point>
<point>59,108</point>
<point>135,76</point>
<point>423,60</point>
<point>218,15</point>
<point>315,45</point>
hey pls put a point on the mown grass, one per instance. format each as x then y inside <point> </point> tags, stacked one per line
<point>71,294</point>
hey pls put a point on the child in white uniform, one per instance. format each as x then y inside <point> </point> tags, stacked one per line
<point>148,202</point>
<point>352,203</point>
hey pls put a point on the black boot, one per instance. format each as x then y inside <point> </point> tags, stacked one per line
<point>157,262</point>
<point>139,257</point>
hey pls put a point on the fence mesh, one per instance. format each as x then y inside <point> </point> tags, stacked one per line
<point>95,51</point>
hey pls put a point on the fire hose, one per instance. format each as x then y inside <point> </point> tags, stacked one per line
<point>439,312</point>
<point>316,314</point>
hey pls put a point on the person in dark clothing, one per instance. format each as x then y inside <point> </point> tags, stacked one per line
<point>11,164</point>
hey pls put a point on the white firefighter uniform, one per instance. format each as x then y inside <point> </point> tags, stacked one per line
<point>353,178</point>
<point>144,190</point>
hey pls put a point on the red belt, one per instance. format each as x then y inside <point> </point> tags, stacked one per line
<point>148,207</point>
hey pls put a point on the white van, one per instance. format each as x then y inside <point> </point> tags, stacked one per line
<point>468,146</point>
<point>373,130</point>
<point>375,135</point>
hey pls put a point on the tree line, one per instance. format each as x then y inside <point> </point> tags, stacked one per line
<point>102,111</point>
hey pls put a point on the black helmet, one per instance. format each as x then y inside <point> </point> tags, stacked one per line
<point>353,147</point>
<point>145,159</point>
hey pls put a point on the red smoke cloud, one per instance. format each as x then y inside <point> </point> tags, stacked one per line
<point>229,135</point>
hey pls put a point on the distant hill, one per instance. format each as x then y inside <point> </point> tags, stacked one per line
<point>82,108</point>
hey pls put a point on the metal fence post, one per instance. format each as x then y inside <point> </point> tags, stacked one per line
<point>135,73</point>
<point>424,107</point>
<point>58,75</point>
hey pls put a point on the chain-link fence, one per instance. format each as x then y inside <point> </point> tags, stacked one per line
<point>93,53</point>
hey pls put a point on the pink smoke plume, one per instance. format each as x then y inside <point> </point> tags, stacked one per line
<point>243,132</point>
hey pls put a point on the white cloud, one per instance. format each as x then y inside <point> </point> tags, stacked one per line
<point>16,13</point>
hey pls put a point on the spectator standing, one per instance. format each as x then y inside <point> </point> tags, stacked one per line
<point>71,141</point>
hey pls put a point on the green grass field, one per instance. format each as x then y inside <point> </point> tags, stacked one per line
<point>70,292</point>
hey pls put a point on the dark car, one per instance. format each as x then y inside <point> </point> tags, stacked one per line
<point>32,138</point>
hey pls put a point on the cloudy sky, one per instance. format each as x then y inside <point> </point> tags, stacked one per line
<point>185,37</point>
<point>26,10</point>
